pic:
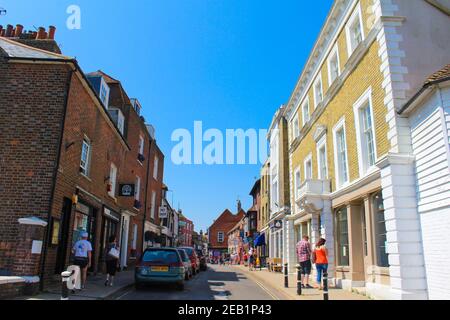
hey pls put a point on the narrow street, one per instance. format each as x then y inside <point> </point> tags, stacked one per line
<point>218,283</point>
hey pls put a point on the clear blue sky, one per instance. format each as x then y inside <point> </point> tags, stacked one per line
<point>228,63</point>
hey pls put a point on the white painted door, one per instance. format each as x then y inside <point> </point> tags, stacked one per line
<point>124,241</point>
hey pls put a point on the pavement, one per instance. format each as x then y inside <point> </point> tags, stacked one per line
<point>274,281</point>
<point>217,283</point>
<point>95,288</point>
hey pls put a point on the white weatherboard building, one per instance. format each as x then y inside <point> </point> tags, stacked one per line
<point>428,113</point>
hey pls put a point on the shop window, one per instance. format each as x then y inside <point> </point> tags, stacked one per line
<point>380,231</point>
<point>342,237</point>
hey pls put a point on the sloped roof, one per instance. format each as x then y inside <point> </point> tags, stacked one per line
<point>441,75</point>
<point>15,49</point>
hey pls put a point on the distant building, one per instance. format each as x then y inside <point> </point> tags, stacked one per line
<point>218,231</point>
<point>186,229</point>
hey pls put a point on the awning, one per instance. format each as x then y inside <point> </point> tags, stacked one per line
<point>260,240</point>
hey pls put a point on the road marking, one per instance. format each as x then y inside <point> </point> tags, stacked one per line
<point>265,289</point>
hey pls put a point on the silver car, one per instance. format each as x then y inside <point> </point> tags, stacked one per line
<point>187,264</point>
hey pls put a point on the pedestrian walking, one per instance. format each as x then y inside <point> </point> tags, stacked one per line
<point>82,251</point>
<point>320,258</point>
<point>251,258</point>
<point>112,255</point>
<point>304,258</point>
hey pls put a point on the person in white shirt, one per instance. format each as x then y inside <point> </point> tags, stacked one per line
<point>82,251</point>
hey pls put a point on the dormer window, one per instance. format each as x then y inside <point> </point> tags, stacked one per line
<point>136,106</point>
<point>104,93</point>
<point>118,119</point>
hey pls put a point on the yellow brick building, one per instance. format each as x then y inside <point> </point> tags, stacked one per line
<point>350,151</point>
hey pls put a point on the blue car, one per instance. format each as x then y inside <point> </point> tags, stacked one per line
<point>160,266</point>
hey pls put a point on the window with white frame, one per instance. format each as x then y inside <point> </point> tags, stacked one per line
<point>354,31</point>
<point>340,152</point>
<point>85,157</point>
<point>137,188</point>
<point>305,112</point>
<point>155,168</point>
<point>141,145</point>
<point>322,159</point>
<point>112,180</point>
<point>297,182</point>
<point>104,93</point>
<point>220,237</point>
<point>121,122</point>
<point>153,205</point>
<point>295,128</point>
<point>333,65</point>
<point>365,137</point>
<point>318,92</point>
<point>308,167</point>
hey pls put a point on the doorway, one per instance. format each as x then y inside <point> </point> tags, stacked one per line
<point>125,226</point>
<point>63,238</point>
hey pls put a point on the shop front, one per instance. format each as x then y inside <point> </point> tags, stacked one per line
<point>84,221</point>
<point>361,242</point>
<point>109,227</point>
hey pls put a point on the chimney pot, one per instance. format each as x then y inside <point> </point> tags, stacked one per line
<point>19,31</point>
<point>9,31</point>
<point>41,33</point>
<point>51,32</point>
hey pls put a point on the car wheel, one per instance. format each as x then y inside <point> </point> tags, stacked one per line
<point>180,286</point>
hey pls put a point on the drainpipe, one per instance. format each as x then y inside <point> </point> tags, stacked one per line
<point>55,173</point>
<point>146,191</point>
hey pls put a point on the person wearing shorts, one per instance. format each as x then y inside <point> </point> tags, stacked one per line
<point>304,258</point>
<point>82,251</point>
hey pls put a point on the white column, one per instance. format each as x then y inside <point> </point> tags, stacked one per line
<point>327,232</point>
<point>289,240</point>
<point>404,243</point>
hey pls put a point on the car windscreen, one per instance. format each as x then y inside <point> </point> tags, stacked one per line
<point>189,251</point>
<point>183,255</point>
<point>160,256</point>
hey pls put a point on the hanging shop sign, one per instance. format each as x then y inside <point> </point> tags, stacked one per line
<point>126,190</point>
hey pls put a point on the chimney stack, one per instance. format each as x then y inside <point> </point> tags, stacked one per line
<point>51,32</point>
<point>9,31</point>
<point>41,33</point>
<point>19,30</point>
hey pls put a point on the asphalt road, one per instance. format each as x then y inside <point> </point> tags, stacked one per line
<point>217,283</point>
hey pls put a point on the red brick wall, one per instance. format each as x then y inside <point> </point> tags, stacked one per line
<point>224,223</point>
<point>32,102</point>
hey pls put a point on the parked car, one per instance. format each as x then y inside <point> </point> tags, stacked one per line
<point>160,265</point>
<point>202,258</point>
<point>195,262</point>
<point>187,264</point>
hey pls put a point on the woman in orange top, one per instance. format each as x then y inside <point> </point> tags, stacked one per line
<point>321,261</point>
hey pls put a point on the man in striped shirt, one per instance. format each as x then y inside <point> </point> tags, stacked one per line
<point>304,258</point>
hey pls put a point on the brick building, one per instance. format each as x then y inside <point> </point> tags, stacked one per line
<point>185,231</point>
<point>218,231</point>
<point>76,156</point>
